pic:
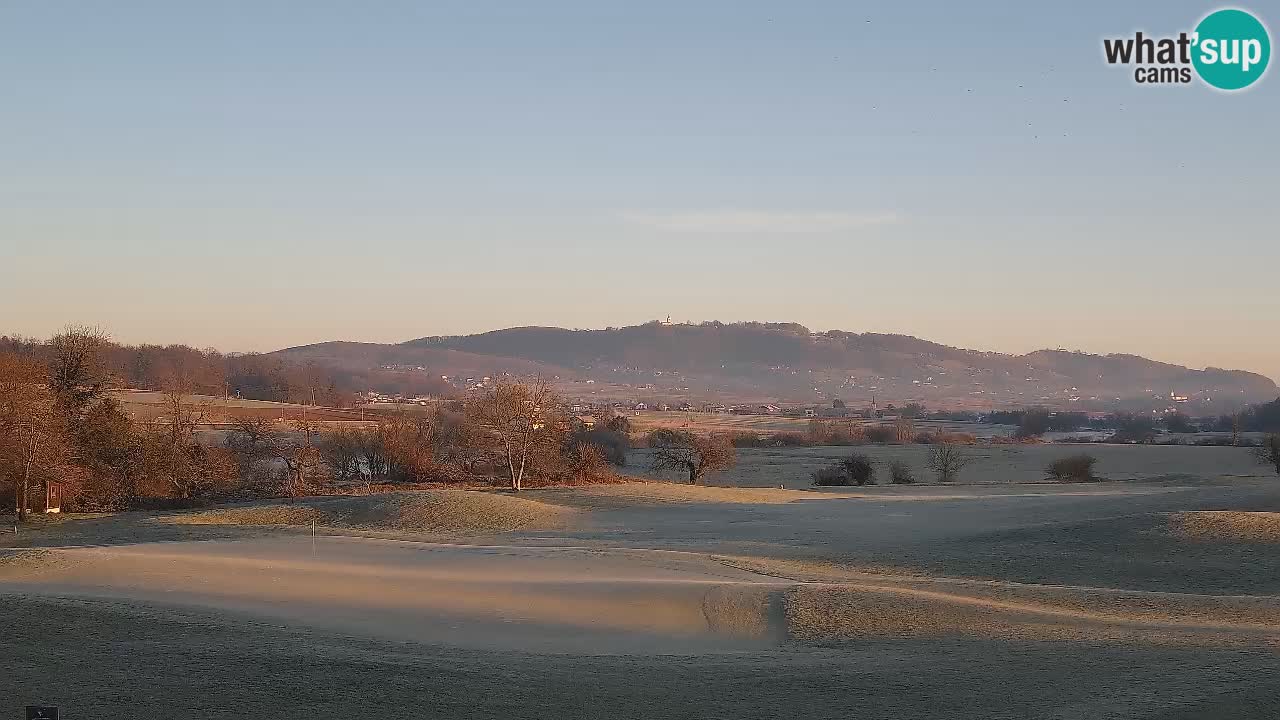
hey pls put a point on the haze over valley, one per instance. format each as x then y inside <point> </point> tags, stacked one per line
<point>787,363</point>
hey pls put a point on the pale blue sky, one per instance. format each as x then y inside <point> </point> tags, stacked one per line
<point>251,175</point>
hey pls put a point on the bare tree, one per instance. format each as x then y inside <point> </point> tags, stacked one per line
<point>408,441</point>
<point>301,458</point>
<point>946,460</point>
<point>904,430</point>
<point>39,450</point>
<point>693,454</point>
<point>1268,452</point>
<point>261,448</point>
<point>522,421</point>
<point>340,452</point>
<point>587,462</point>
<point>78,372</point>
<point>371,455</point>
<point>35,446</point>
<point>252,441</point>
<point>173,452</point>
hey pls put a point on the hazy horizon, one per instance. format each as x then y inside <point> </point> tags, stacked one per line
<point>397,340</point>
<point>249,177</point>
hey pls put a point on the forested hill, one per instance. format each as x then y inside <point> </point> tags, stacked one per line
<point>789,363</point>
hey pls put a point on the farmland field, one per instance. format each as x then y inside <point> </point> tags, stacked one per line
<point>144,405</point>
<point>700,422</point>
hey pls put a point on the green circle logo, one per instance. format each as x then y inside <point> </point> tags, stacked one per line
<point>1232,49</point>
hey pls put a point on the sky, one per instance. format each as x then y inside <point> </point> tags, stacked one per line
<point>255,175</point>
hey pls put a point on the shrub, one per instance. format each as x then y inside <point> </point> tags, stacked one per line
<point>788,439</point>
<point>880,434</point>
<point>1014,440</point>
<point>847,435</point>
<point>831,475</point>
<point>619,424</point>
<point>942,436</point>
<point>1034,423</point>
<point>900,473</point>
<point>828,432</point>
<point>782,439</point>
<point>612,443</point>
<point>1073,468</point>
<point>659,437</point>
<point>860,469</point>
<point>1131,428</point>
<point>1268,452</point>
<point>588,463</point>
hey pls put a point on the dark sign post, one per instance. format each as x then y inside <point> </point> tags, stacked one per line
<point>41,712</point>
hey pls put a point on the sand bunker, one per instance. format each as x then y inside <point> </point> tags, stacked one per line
<point>427,511</point>
<point>1224,525</point>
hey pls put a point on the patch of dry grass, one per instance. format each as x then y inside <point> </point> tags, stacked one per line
<point>741,610</point>
<point>423,511</point>
<point>28,561</point>
<point>275,514</point>
<point>826,614</point>
<point>834,603</point>
<point>1227,525</point>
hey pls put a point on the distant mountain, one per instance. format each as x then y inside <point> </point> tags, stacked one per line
<point>749,362</point>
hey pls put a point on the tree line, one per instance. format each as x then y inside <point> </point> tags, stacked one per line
<point>1140,427</point>
<point>250,376</point>
<point>60,427</point>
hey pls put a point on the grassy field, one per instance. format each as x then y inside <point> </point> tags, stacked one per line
<point>1139,599</point>
<point>144,405</point>
<point>793,467</point>
<point>1153,594</point>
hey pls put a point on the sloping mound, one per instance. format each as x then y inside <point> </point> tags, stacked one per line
<point>19,560</point>
<point>424,511</point>
<point>1227,525</point>
<point>817,614</point>
<point>662,493</point>
<point>834,604</point>
<point>275,514</point>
